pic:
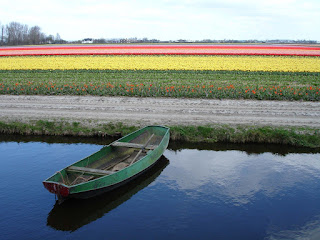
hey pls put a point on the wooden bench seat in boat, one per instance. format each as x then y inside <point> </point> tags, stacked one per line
<point>133,145</point>
<point>90,171</point>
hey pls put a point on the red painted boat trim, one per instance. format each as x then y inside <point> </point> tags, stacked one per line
<point>57,189</point>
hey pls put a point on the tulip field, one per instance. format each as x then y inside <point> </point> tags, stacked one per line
<point>268,72</point>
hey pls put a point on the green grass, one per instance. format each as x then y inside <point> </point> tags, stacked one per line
<point>179,84</point>
<point>64,128</point>
<point>299,137</point>
<point>302,137</point>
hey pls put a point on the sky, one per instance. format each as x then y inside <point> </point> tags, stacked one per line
<point>168,20</point>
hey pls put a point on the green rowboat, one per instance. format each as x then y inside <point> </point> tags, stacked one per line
<point>112,166</point>
<point>69,217</point>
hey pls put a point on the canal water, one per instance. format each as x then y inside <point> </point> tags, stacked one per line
<point>195,191</point>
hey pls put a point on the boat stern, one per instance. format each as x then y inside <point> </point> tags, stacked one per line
<point>57,189</point>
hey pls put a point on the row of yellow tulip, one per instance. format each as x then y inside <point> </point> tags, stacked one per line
<point>214,63</point>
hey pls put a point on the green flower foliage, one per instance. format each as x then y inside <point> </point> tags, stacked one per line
<point>154,83</point>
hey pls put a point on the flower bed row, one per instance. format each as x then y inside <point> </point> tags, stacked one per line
<point>276,50</point>
<point>171,83</point>
<point>163,90</point>
<point>196,63</point>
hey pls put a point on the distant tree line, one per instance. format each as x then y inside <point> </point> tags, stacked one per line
<point>15,33</point>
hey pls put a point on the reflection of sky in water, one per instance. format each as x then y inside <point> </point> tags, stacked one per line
<point>239,176</point>
<point>310,231</point>
<point>281,191</point>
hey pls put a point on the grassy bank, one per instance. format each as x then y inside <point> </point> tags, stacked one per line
<point>300,137</point>
<point>170,83</point>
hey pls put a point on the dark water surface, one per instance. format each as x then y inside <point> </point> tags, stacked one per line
<point>194,192</point>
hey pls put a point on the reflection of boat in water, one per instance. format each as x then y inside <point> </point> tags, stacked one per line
<point>73,214</point>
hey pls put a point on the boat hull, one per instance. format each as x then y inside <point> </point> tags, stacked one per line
<point>107,183</point>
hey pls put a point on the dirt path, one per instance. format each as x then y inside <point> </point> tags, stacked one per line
<point>164,111</point>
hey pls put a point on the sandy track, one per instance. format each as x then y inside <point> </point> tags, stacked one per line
<point>164,111</point>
